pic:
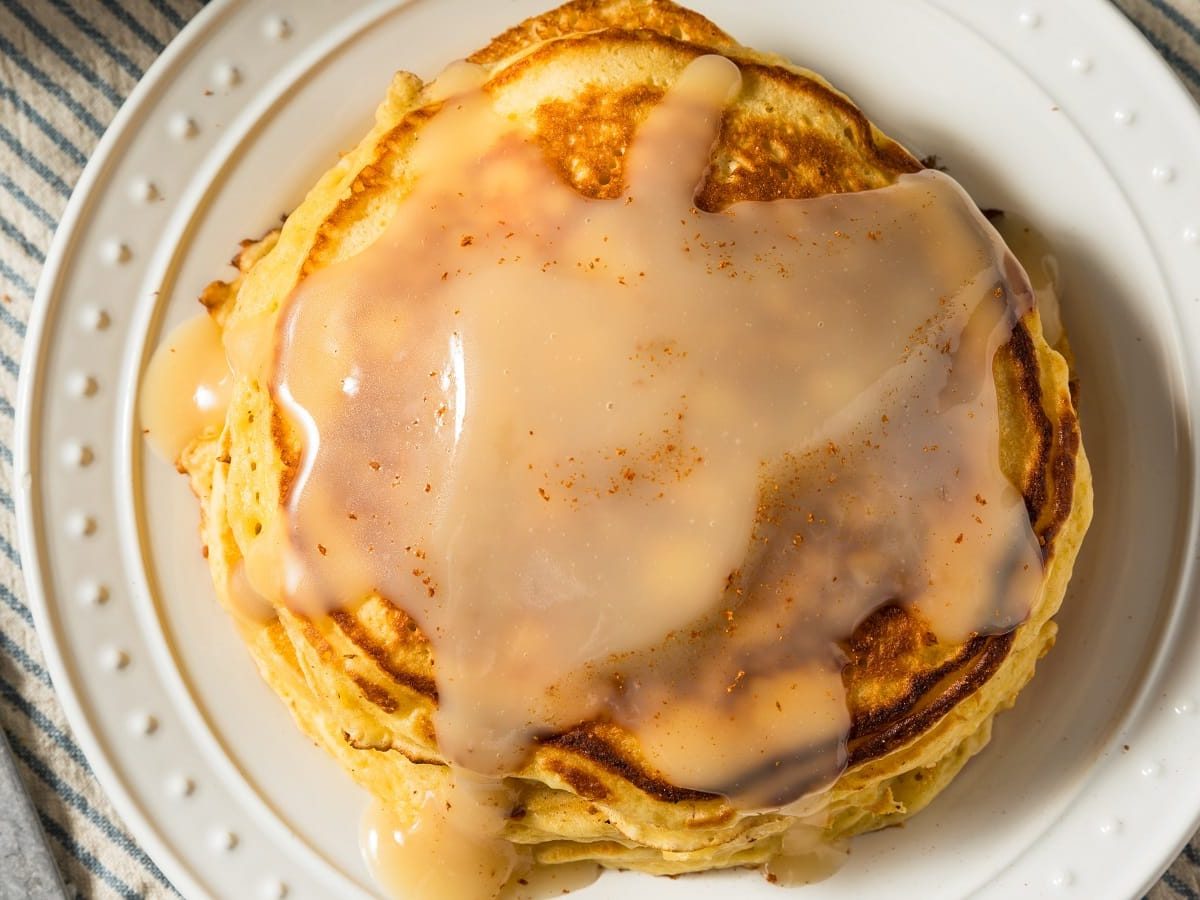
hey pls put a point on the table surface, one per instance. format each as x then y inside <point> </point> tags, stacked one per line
<point>65,68</point>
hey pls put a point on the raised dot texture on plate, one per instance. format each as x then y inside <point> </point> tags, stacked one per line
<point>224,839</point>
<point>1191,234</point>
<point>91,593</point>
<point>142,190</point>
<point>226,75</point>
<point>92,318</point>
<point>1029,18</point>
<point>1185,707</point>
<point>181,127</point>
<point>115,253</point>
<point>1112,827</point>
<point>277,28</point>
<point>1163,174</point>
<point>1154,770</point>
<point>114,659</point>
<point>1063,879</point>
<point>1124,116</point>
<point>80,384</point>
<point>76,455</point>
<point>143,724</point>
<point>273,890</point>
<point>80,525</point>
<point>1081,64</point>
<point>181,786</point>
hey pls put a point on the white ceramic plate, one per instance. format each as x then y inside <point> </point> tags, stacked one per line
<point>1054,108</point>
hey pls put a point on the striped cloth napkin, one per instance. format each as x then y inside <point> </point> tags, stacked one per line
<point>65,67</point>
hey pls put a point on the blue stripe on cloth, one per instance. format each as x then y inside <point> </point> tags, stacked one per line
<point>10,365</point>
<point>1178,19</point>
<point>57,137</point>
<point>168,13</point>
<point>1179,886</point>
<point>80,803</point>
<point>63,740</point>
<point>43,34</point>
<point>1179,63</point>
<point>97,38</point>
<point>28,663</point>
<point>86,859</point>
<point>14,603</point>
<point>6,408</point>
<point>21,285</point>
<point>42,721</point>
<point>27,202</point>
<point>1191,853</point>
<point>136,28</point>
<point>15,235</point>
<point>10,551</point>
<point>6,454</point>
<point>6,500</point>
<point>52,87</point>
<point>113,832</point>
<point>10,140</point>
<point>5,316</point>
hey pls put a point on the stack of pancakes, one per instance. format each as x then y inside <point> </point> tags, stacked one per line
<point>361,681</point>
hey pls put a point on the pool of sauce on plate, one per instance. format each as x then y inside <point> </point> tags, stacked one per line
<point>629,459</point>
<point>186,387</point>
<point>451,849</point>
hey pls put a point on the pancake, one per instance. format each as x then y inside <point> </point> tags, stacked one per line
<point>361,681</point>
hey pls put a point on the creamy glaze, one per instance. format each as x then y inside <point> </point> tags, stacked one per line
<point>805,856</point>
<point>451,849</point>
<point>248,607</point>
<point>186,388</point>
<point>543,882</point>
<point>1037,257</point>
<point>631,460</point>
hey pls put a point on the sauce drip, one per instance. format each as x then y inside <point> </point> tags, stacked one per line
<point>805,856</point>
<point>1037,258</point>
<point>629,459</point>
<point>186,388</point>
<point>451,849</point>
